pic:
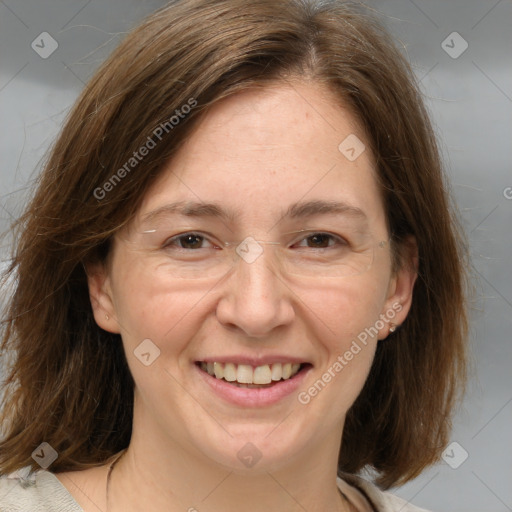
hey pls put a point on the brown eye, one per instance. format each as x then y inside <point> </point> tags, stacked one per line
<point>191,241</point>
<point>319,240</point>
<point>186,241</point>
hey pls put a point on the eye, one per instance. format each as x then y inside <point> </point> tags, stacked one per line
<point>321,241</point>
<point>187,241</point>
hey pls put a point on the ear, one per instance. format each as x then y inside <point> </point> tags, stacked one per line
<point>100,293</point>
<point>400,289</point>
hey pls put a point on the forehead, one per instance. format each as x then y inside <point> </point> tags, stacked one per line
<point>260,152</point>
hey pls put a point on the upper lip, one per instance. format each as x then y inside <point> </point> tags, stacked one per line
<point>254,361</point>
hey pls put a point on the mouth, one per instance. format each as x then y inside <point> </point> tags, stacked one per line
<point>252,377</point>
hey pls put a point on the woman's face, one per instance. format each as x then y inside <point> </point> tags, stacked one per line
<point>271,164</point>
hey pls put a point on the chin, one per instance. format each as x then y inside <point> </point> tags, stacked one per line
<point>252,451</point>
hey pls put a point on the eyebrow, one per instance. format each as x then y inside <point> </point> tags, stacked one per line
<point>299,210</point>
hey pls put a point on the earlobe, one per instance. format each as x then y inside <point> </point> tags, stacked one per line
<point>100,294</point>
<point>400,289</point>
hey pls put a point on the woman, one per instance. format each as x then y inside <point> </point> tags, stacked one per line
<point>239,282</point>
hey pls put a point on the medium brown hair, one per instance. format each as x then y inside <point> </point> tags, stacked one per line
<point>69,383</point>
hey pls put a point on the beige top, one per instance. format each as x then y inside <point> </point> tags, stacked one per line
<point>42,491</point>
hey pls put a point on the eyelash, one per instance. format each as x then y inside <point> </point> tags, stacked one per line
<point>171,241</point>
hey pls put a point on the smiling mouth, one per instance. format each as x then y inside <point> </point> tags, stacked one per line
<point>247,376</point>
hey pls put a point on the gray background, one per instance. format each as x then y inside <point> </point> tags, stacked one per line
<point>470,98</point>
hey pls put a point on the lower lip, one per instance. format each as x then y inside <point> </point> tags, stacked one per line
<point>253,397</point>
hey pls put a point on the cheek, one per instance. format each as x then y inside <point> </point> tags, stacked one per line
<point>347,314</point>
<point>155,307</point>
<point>345,308</point>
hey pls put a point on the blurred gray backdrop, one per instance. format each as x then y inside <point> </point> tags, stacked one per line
<point>460,51</point>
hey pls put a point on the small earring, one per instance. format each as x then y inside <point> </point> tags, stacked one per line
<point>107,317</point>
<point>392,327</point>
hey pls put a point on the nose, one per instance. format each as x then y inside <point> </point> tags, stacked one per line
<point>255,299</point>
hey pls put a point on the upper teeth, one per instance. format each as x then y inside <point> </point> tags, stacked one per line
<point>246,374</point>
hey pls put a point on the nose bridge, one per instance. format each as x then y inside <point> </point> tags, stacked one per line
<point>250,249</point>
<point>257,263</point>
<point>256,269</point>
<point>256,299</point>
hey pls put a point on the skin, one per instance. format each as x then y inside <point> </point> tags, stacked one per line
<point>256,153</point>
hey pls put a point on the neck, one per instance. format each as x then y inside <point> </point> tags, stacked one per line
<point>175,480</point>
